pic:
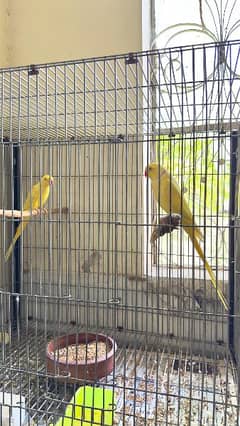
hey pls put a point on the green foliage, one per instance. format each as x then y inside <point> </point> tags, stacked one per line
<point>201,167</point>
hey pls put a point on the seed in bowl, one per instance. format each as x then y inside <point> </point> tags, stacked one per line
<point>82,352</point>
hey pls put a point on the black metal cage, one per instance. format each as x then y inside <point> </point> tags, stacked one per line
<point>106,252</point>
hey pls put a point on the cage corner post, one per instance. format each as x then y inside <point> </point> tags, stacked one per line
<point>234,250</point>
<point>17,248</point>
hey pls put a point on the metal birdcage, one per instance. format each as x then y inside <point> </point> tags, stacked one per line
<point>102,257</point>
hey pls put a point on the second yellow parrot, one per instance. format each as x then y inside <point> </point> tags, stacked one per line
<point>36,199</point>
<point>167,194</point>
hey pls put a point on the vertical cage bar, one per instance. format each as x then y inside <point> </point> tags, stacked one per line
<point>17,248</point>
<point>232,209</point>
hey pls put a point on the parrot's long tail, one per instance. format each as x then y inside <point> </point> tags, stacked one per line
<point>210,272</point>
<point>18,232</point>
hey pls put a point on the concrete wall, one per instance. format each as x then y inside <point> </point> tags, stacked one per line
<point>48,31</point>
<point>100,232</point>
<point>4,41</point>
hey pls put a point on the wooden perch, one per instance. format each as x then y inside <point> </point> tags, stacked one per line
<point>166,225</point>
<point>18,214</point>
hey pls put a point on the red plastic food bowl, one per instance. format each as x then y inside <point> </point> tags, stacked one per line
<point>73,370</point>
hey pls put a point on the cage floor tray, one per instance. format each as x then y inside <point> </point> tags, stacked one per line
<point>149,385</point>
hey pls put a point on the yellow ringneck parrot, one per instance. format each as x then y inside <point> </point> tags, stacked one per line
<point>167,194</point>
<point>35,200</point>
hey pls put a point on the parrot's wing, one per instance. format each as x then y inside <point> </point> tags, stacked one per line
<point>33,198</point>
<point>167,193</point>
<point>184,209</point>
<point>177,201</point>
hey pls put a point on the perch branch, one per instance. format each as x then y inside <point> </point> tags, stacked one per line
<point>18,214</point>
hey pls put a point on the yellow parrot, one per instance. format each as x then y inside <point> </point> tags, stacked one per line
<point>35,200</point>
<point>168,194</point>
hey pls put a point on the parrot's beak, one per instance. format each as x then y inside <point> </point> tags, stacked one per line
<point>51,182</point>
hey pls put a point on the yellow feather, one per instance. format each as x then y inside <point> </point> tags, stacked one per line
<point>168,195</point>
<point>36,199</point>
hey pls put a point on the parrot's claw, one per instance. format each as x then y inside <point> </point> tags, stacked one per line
<point>42,211</point>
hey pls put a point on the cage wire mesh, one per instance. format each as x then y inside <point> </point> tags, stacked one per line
<point>107,256</point>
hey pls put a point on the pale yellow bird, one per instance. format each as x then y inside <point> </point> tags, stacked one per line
<point>36,199</point>
<point>167,194</point>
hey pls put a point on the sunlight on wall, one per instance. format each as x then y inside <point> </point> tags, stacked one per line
<point>40,32</point>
